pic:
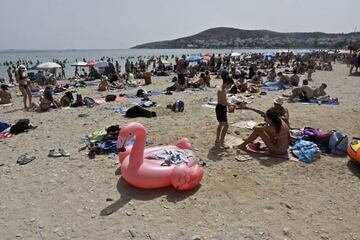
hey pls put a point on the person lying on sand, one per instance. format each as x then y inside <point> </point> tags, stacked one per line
<point>46,102</point>
<point>5,96</point>
<point>305,93</point>
<point>274,132</point>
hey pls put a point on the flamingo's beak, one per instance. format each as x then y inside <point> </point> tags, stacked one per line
<point>121,144</point>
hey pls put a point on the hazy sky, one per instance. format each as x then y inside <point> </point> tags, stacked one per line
<point>70,24</point>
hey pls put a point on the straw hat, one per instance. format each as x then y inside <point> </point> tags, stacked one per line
<point>279,100</point>
<point>22,67</point>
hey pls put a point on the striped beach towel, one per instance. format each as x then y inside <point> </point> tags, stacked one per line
<point>6,135</point>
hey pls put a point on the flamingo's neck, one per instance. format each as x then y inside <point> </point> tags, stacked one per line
<point>136,157</point>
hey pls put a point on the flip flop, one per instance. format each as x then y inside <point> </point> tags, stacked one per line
<point>23,159</point>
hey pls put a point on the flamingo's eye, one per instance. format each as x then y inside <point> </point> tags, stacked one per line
<point>130,134</point>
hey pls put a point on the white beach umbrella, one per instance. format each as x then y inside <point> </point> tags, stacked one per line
<point>235,54</point>
<point>79,64</point>
<point>48,65</point>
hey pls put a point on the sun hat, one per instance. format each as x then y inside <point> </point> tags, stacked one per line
<point>22,67</point>
<point>279,100</point>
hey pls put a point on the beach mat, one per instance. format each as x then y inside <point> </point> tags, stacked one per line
<point>316,102</point>
<point>6,105</point>
<point>245,124</point>
<point>262,151</point>
<point>6,135</point>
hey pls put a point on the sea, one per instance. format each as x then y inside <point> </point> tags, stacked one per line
<point>116,54</point>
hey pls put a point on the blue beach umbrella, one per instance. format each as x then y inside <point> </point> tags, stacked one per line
<point>269,54</point>
<point>193,58</point>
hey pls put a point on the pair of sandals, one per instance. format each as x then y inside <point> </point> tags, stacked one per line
<point>24,159</point>
<point>58,153</point>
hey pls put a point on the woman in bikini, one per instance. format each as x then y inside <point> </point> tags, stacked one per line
<point>23,81</point>
<point>274,132</point>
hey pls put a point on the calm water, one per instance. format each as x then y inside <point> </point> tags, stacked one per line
<point>117,54</point>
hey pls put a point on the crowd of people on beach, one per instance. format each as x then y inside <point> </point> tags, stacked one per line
<point>240,73</point>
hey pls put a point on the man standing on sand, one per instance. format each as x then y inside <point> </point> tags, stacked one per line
<point>11,80</point>
<point>181,69</point>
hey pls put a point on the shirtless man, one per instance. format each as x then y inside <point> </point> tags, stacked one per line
<point>305,92</point>
<point>294,79</point>
<point>284,79</point>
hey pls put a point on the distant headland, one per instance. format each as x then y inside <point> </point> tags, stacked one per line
<point>223,37</point>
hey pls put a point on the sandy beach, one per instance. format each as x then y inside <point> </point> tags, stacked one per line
<point>82,198</point>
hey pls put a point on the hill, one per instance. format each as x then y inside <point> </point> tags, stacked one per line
<point>223,37</point>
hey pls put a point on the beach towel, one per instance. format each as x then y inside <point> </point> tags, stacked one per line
<point>4,126</point>
<point>306,151</point>
<point>149,94</point>
<point>6,105</point>
<point>170,156</point>
<point>245,124</point>
<point>117,109</point>
<point>259,148</point>
<point>6,135</point>
<point>328,101</point>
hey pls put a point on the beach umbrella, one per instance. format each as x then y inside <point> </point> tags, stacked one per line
<point>235,54</point>
<point>208,54</point>
<point>79,64</point>
<point>344,51</point>
<point>269,54</point>
<point>207,58</point>
<point>90,63</point>
<point>247,57</point>
<point>193,58</point>
<point>101,64</point>
<point>48,65</point>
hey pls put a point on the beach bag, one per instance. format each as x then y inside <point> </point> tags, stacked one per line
<point>78,102</point>
<point>110,98</point>
<point>20,126</point>
<point>178,106</point>
<point>317,136</point>
<point>140,93</point>
<point>338,143</point>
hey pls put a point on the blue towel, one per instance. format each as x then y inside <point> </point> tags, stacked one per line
<point>4,125</point>
<point>305,151</point>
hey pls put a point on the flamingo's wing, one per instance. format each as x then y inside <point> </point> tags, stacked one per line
<point>185,177</point>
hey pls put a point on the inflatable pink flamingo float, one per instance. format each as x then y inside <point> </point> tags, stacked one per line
<point>141,170</point>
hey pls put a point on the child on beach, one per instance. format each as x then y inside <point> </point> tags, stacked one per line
<point>221,111</point>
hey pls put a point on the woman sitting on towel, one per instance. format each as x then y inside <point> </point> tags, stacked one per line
<point>274,132</point>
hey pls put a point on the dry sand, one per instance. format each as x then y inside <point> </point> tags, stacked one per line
<point>79,198</point>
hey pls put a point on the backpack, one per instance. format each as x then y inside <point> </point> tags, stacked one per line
<point>140,93</point>
<point>338,144</point>
<point>89,102</point>
<point>20,126</point>
<point>317,136</point>
<point>178,106</point>
<point>110,98</point>
<point>78,102</point>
